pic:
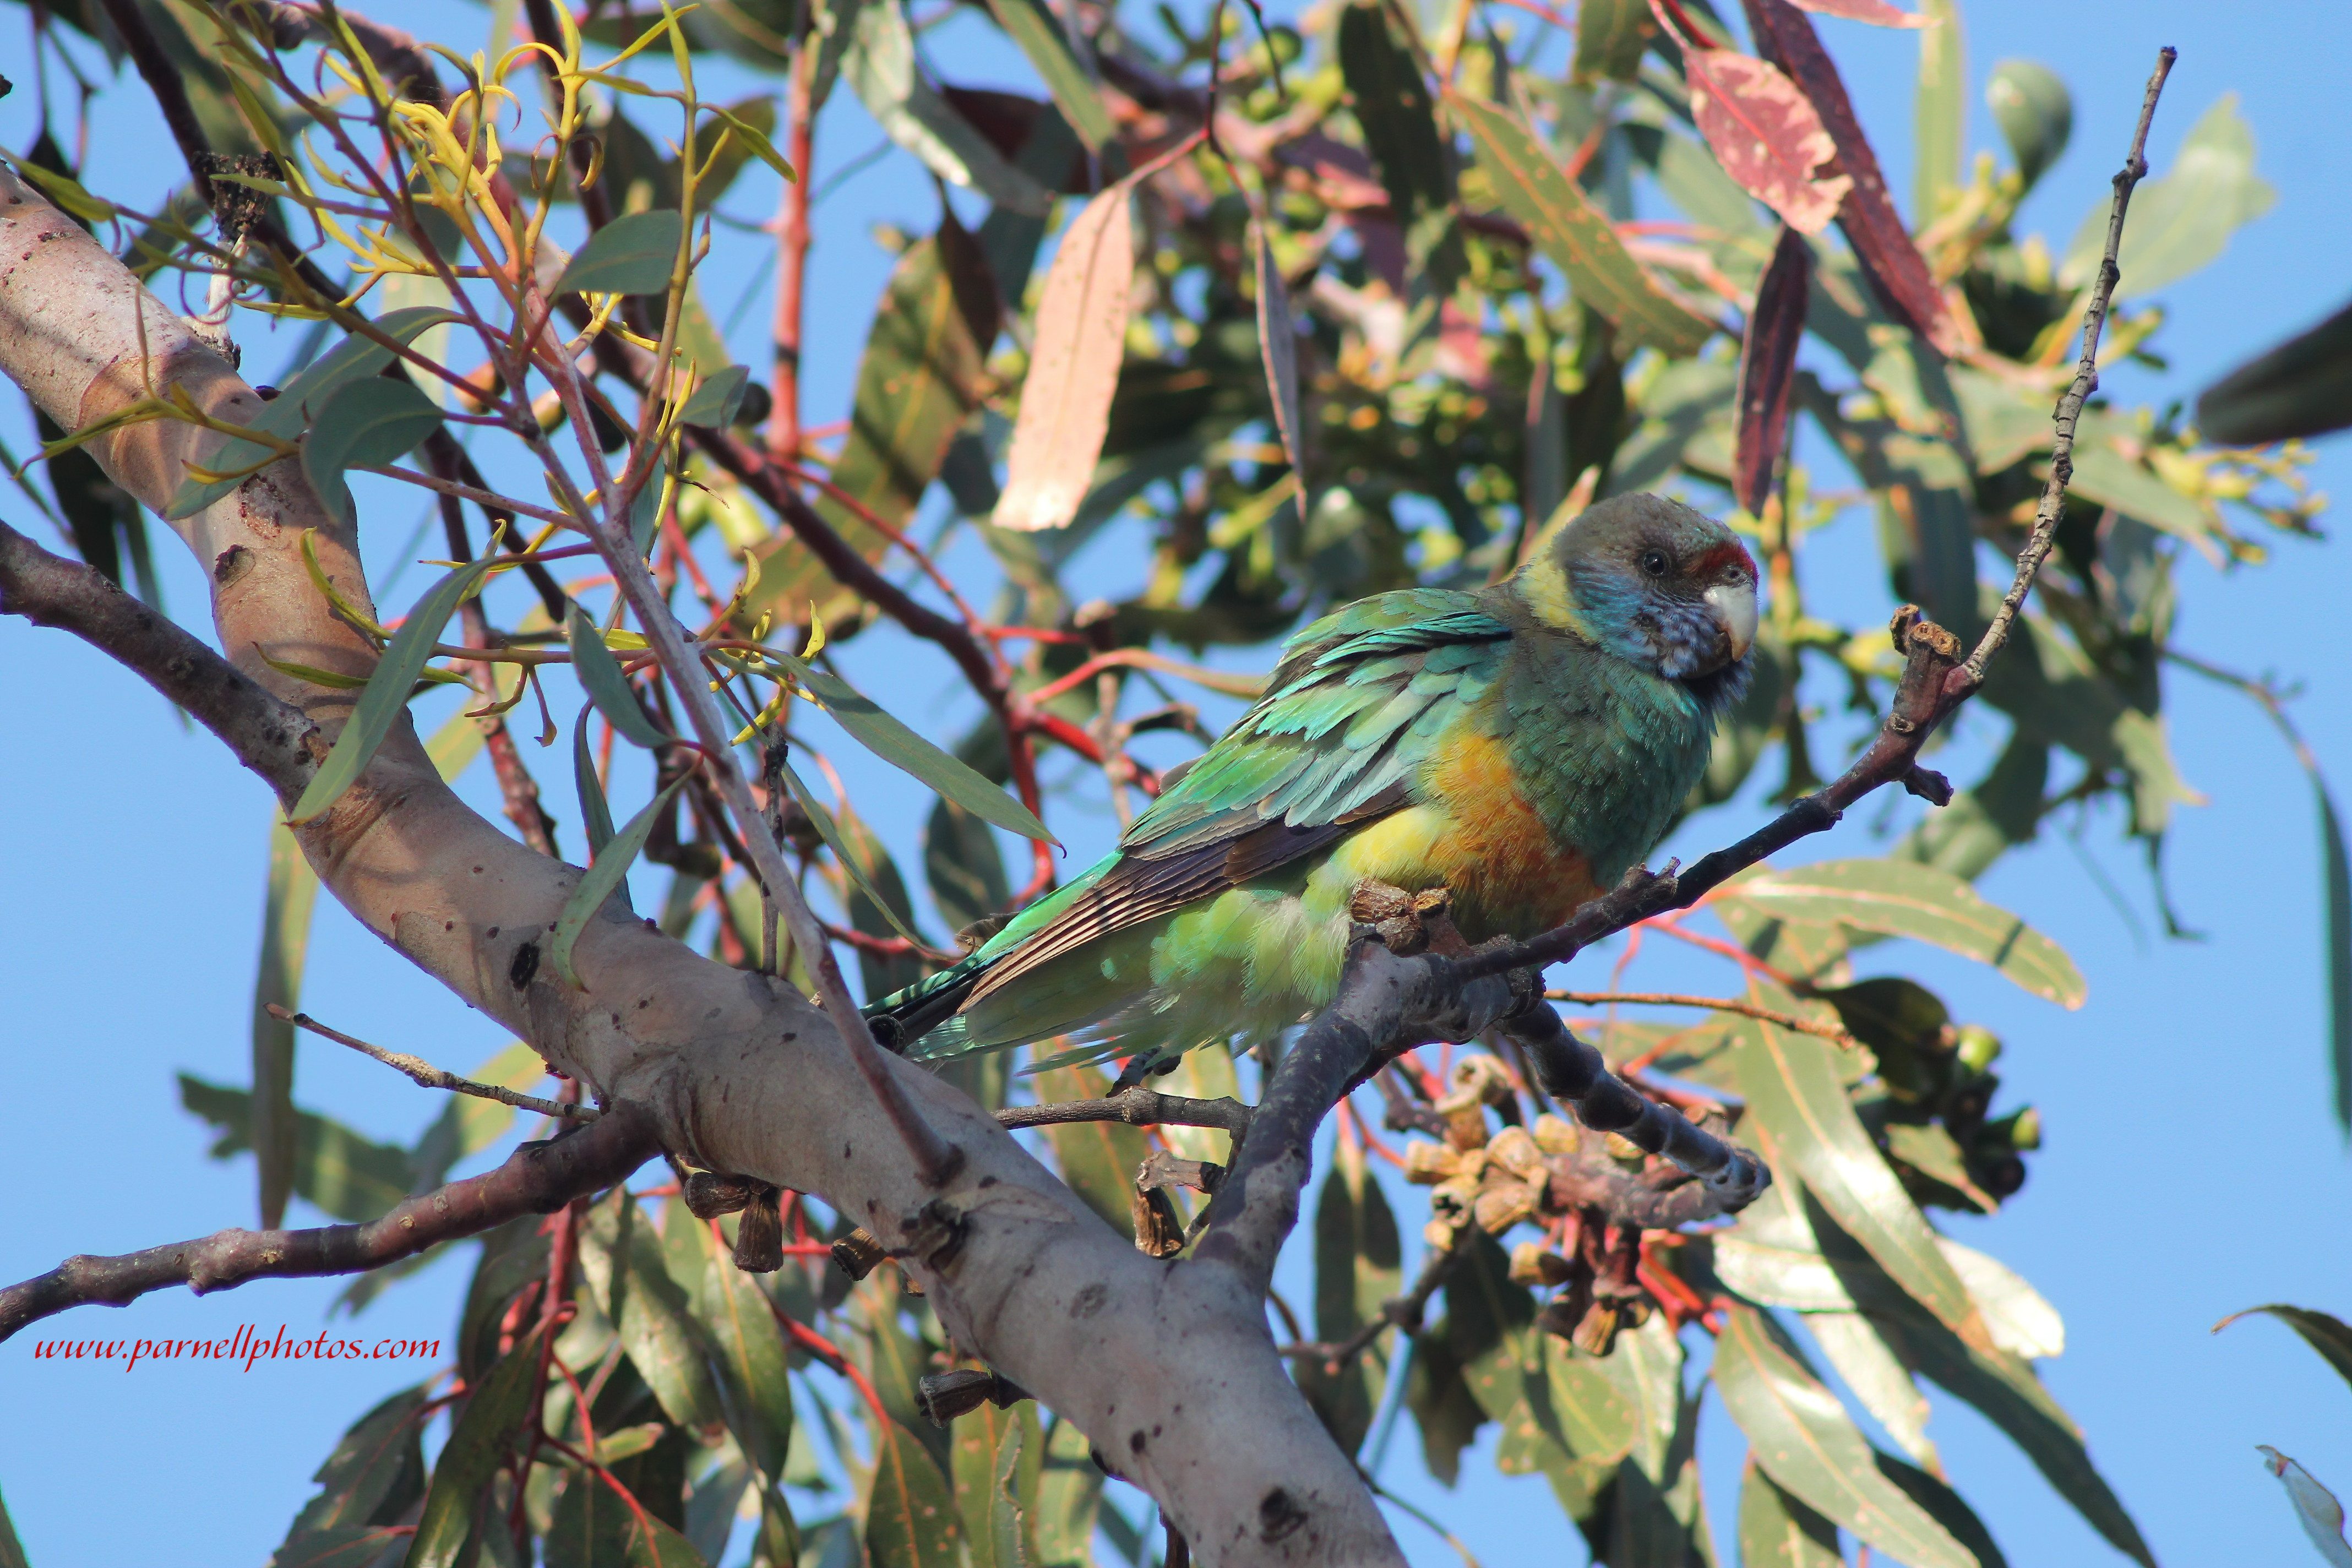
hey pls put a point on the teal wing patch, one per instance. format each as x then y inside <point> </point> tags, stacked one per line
<point>1356,707</point>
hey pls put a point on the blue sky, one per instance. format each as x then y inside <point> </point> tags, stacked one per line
<point>2189,1163</point>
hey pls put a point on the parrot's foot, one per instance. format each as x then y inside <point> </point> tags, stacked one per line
<point>1408,923</point>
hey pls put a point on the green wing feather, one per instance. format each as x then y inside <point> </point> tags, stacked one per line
<point>1354,711</point>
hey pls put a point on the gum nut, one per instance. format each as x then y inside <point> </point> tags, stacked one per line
<point>1438,1233</point>
<point>1979,1046</point>
<point>1499,1209</point>
<point>1428,1164</point>
<point>1554,1136</point>
<point>1514,1150</point>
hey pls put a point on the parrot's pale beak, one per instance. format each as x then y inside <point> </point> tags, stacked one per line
<point>1734,604</point>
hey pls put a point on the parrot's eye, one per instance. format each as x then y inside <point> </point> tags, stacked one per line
<point>1654,562</point>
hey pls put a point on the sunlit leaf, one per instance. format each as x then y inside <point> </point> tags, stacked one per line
<point>1081,341</point>
<point>285,945</point>
<point>880,65</point>
<point>1805,1443</point>
<point>1777,1531</point>
<point>910,1519</point>
<point>2315,1507</point>
<point>1767,135</point>
<point>1537,191</point>
<point>1896,898</point>
<point>1939,112</point>
<point>1038,33</point>
<point>2182,221</point>
<point>2035,112</point>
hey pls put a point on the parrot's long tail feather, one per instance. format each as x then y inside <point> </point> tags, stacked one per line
<point>905,1017</point>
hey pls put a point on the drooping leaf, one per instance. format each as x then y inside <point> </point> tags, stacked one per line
<point>375,1473</point>
<point>364,424</point>
<point>1896,897</point>
<point>1007,1511</point>
<point>880,974</point>
<point>477,1448</point>
<point>1535,190</point>
<point>1278,348</point>
<point>1767,135</point>
<point>880,65</point>
<point>301,400</point>
<point>1805,1443</point>
<point>845,852</point>
<point>714,402</point>
<point>751,1365</point>
<point>285,945</point>
<point>2315,1507</point>
<point>1768,358</point>
<point>1779,1531</point>
<point>2017,1316</point>
<point>600,675</point>
<point>1945,1507</point>
<point>2035,112</point>
<point>595,813</point>
<point>1808,1128</point>
<point>1039,35</point>
<point>892,742</point>
<point>2183,220</point>
<point>622,1263</point>
<point>1081,341</point>
<point>2329,1335</point>
<point>1896,272</point>
<point>631,254</point>
<point>1879,1381</point>
<point>344,1172</point>
<point>604,876</point>
<point>911,1518</point>
<point>2303,387</point>
<point>386,699</point>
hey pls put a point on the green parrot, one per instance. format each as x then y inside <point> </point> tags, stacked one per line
<point>1521,745</point>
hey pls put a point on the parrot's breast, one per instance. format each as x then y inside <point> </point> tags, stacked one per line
<point>1476,833</point>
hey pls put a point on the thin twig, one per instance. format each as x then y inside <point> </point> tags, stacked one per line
<point>1136,1107</point>
<point>425,1075</point>
<point>1397,1311</point>
<point>2086,381</point>
<point>1715,1004</point>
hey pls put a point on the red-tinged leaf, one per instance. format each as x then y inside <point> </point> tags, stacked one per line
<point>1073,371</point>
<point>1768,358</point>
<point>1877,13</point>
<point>1537,192</point>
<point>477,1448</point>
<point>1897,271</point>
<point>1767,135</point>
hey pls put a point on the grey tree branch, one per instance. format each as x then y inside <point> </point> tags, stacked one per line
<point>538,1178</point>
<point>1138,1107</point>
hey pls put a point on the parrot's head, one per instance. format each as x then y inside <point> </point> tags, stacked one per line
<point>1658,584</point>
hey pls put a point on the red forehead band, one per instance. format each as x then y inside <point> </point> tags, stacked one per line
<point>1717,561</point>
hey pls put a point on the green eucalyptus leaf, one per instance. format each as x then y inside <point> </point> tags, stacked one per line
<point>1579,239</point>
<point>604,876</point>
<point>631,255</point>
<point>910,1517</point>
<point>1780,1531</point>
<point>595,815</point>
<point>366,423</point>
<point>2182,221</point>
<point>386,699</point>
<point>714,402</point>
<point>285,945</point>
<point>621,1260</point>
<point>375,1475</point>
<point>2301,388</point>
<point>2329,1335</point>
<point>344,1172</point>
<point>1039,34</point>
<point>472,1456</point>
<point>1805,1443</point>
<point>845,854</point>
<point>880,65</point>
<point>601,676</point>
<point>302,401</point>
<point>892,742</point>
<point>1896,897</point>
